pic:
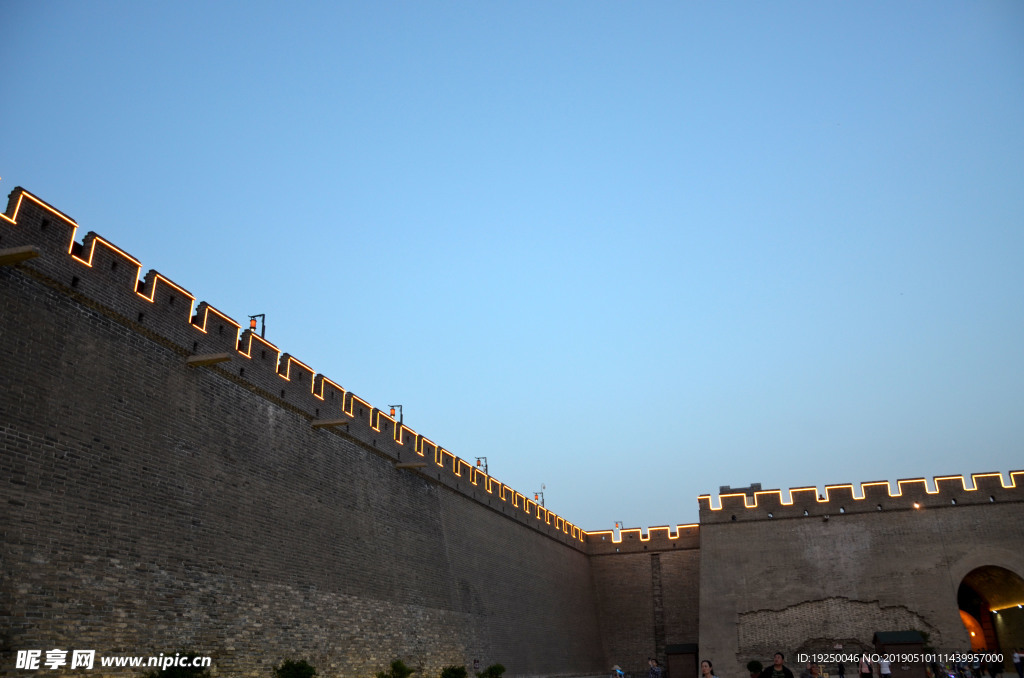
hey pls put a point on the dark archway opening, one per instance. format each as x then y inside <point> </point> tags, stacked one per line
<point>991,602</point>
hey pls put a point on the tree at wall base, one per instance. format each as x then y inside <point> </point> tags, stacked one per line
<point>290,668</point>
<point>181,671</point>
<point>492,671</point>
<point>398,670</point>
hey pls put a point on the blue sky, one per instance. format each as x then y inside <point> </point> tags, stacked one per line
<point>632,251</point>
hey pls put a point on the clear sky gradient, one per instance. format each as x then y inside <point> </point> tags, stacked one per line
<point>632,251</point>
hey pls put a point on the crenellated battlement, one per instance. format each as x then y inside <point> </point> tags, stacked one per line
<point>838,500</point>
<point>634,540</point>
<point>40,239</point>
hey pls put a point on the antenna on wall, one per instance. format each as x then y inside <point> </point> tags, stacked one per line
<point>263,324</point>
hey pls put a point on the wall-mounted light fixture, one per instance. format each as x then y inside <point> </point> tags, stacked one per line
<point>400,415</point>
<point>482,465</point>
<point>263,324</point>
<point>539,496</point>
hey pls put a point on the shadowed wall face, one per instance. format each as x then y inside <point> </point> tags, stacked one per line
<point>827,583</point>
<point>155,507</point>
<point>648,603</point>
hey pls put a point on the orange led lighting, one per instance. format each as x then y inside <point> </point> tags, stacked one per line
<point>773,496</point>
<point>287,374</point>
<point>324,383</point>
<point>13,219</point>
<point>255,337</point>
<point>86,255</point>
<point>206,317</point>
<point>97,240</point>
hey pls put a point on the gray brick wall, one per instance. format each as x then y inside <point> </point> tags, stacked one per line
<point>153,507</point>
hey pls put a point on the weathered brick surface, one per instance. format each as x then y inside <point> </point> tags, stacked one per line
<point>153,507</point>
<point>625,586</point>
<point>807,584</point>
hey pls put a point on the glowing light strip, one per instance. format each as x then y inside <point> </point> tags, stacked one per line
<point>352,404</point>
<point>98,240</point>
<point>206,319</point>
<point>255,337</point>
<point>444,454</point>
<point>377,416</point>
<point>975,476</point>
<point>864,490</point>
<point>288,370</point>
<point>666,529</point>
<point>423,441</point>
<point>56,212</point>
<point>157,279</point>
<point>458,463</point>
<point>1011,606</point>
<point>324,381</point>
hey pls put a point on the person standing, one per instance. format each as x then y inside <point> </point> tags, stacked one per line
<point>1018,662</point>
<point>778,669</point>
<point>883,668</point>
<point>707,670</point>
<point>654,671</point>
<point>865,666</point>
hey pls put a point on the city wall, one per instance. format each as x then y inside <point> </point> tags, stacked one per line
<point>173,485</point>
<point>822,573</point>
<point>176,483</point>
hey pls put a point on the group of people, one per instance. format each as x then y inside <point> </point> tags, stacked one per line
<point>976,668</point>
<point>866,669</point>
<point>707,669</point>
<point>654,670</point>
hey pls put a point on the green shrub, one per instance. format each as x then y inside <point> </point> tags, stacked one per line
<point>453,672</point>
<point>290,668</point>
<point>398,670</point>
<point>181,671</point>
<point>492,671</point>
